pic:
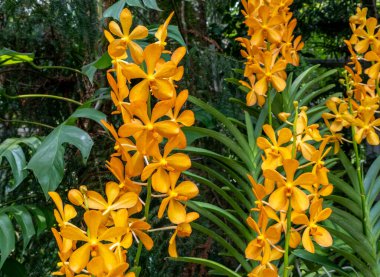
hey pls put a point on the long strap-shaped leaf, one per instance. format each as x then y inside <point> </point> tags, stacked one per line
<point>232,235</point>
<point>221,269</point>
<point>223,119</point>
<point>232,251</point>
<point>218,176</point>
<point>219,191</point>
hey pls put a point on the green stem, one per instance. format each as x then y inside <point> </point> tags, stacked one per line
<point>146,215</point>
<point>27,122</point>
<point>56,67</point>
<point>269,106</point>
<point>287,237</point>
<point>43,96</point>
<point>289,211</point>
<point>360,179</point>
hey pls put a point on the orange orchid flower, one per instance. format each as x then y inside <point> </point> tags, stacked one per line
<point>162,32</point>
<point>265,27</point>
<point>275,152</point>
<point>115,201</point>
<point>273,72</point>
<point>64,213</point>
<point>162,164</point>
<point>252,97</point>
<point>137,228</point>
<point>93,242</point>
<point>369,37</point>
<point>338,114</point>
<point>149,131</point>
<point>126,37</point>
<point>287,187</point>
<point>184,191</point>
<point>132,168</point>
<point>156,77</point>
<point>259,249</point>
<point>183,230</point>
<point>319,234</point>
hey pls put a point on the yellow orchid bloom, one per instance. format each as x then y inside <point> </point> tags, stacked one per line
<point>319,234</point>
<point>161,165</point>
<point>115,200</point>
<point>132,168</point>
<point>265,26</point>
<point>273,72</point>
<point>156,77</point>
<point>93,242</point>
<point>369,37</point>
<point>182,230</point>
<point>162,32</point>
<point>259,249</point>
<point>287,187</point>
<point>149,131</point>
<point>126,37</point>
<point>63,214</point>
<point>274,150</point>
<point>183,192</point>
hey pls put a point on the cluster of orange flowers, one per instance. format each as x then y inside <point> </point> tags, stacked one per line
<point>144,81</point>
<point>270,48</point>
<point>288,203</point>
<point>360,107</point>
<point>287,194</point>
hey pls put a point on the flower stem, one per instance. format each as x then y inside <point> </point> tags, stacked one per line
<point>269,106</point>
<point>287,237</point>
<point>146,214</point>
<point>43,96</point>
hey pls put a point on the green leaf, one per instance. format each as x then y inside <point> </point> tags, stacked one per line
<point>223,119</point>
<point>231,250</point>
<point>318,259</point>
<point>347,203</point>
<point>151,4</point>
<point>12,268</point>
<point>173,33</point>
<point>234,204</point>
<point>7,238</point>
<point>227,142</point>
<point>219,267</point>
<point>89,70</point>
<point>240,225</point>
<point>47,163</point>
<point>39,219</point>
<point>217,221</point>
<point>25,221</point>
<point>89,113</point>
<point>218,175</point>
<point>361,247</point>
<point>344,187</point>
<point>9,57</point>
<point>103,62</point>
<point>350,170</point>
<point>12,151</point>
<point>356,262</point>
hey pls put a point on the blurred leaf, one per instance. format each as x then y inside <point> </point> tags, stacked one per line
<point>173,33</point>
<point>9,57</point>
<point>12,268</point>
<point>318,259</point>
<point>115,10</point>
<point>12,151</point>
<point>151,4</point>
<point>24,219</point>
<point>48,162</point>
<point>89,113</point>
<point>7,238</point>
<point>214,265</point>
<point>39,219</point>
